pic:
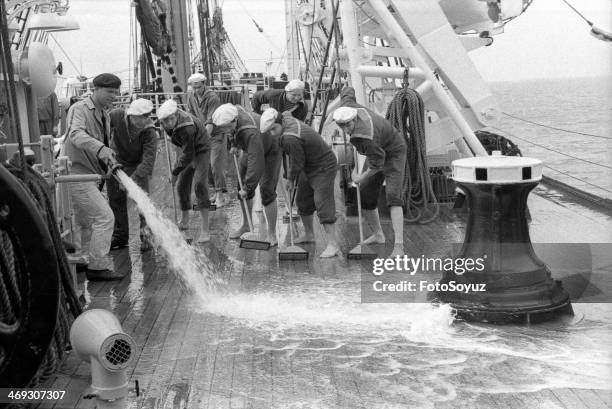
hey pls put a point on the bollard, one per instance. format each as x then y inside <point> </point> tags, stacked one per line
<point>518,285</point>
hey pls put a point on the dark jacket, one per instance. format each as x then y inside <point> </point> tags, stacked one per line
<point>190,135</point>
<point>277,99</point>
<point>373,135</point>
<point>306,149</point>
<point>135,147</point>
<point>248,138</point>
<point>88,132</point>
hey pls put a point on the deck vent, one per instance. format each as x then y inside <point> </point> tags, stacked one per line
<point>481,174</point>
<point>527,173</point>
<point>119,353</point>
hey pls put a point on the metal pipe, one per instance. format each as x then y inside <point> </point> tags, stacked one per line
<point>353,49</point>
<point>394,30</point>
<point>390,72</point>
<point>78,178</point>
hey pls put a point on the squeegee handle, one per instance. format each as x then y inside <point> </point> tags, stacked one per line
<point>170,176</point>
<point>244,202</point>
<point>358,197</point>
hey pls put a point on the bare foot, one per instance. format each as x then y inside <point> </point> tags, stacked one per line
<point>236,234</point>
<point>376,238</point>
<point>398,250</point>
<point>183,225</point>
<point>307,238</point>
<point>271,238</point>
<point>331,251</point>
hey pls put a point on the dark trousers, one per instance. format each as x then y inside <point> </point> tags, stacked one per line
<point>195,174</point>
<point>117,198</point>
<point>315,191</point>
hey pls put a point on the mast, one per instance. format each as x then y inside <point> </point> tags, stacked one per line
<point>293,60</point>
<point>179,28</point>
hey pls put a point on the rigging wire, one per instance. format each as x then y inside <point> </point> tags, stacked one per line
<point>66,54</point>
<point>556,129</point>
<point>554,150</point>
<point>557,170</point>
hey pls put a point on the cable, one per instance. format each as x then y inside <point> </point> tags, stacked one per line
<point>553,150</point>
<point>556,129</point>
<point>67,56</point>
<point>577,178</point>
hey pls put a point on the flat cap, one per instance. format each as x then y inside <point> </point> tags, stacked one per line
<point>107,81</point>
<point>140,106</point>
<point>167,109</point>
<point>197,77</point>
<point>343,115</point>
<point>295,85</point>
<point>225,114</point>
<point>268,118</point>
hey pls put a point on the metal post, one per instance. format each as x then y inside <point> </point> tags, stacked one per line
<point>353,48</point>
<point>395,31</point>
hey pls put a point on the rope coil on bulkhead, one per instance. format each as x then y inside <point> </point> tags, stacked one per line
<point>407,114</point>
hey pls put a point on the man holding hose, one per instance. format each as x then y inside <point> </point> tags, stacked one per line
<point>385,150</point>
<point>259,163</point>
<point>313,165</point>
<point>187,132</point>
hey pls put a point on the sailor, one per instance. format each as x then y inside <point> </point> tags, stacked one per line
<point>187,132</point>
<point>48,109</point>
<point>202,102</point>
<point>134,139</point>
<point>291,99</point>
<point>385,151</point>
<point>259,163</point>
<point>87,147</point>
<point>313,164</point>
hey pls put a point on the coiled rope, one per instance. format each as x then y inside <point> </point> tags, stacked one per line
<point>407,113</point>
<point>10,295</point>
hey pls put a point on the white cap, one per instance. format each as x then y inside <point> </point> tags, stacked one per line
<point>294,85</point>
<point>140,106</point>
<point>197,77</point>
<point>343,115</point>
<point>268,118</point>
<point>166,109</point>
<point>28,152</point>
<point>225,114</point>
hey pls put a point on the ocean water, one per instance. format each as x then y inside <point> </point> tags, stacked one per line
<point>581,105</point>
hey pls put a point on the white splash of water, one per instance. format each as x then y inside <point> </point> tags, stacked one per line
<point>194,270</point>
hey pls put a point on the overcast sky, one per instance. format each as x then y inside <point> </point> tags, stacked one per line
<point>549,40</point>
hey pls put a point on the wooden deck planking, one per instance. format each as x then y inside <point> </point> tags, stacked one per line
<point>199,356</point>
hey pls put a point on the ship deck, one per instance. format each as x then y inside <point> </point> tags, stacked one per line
<point>295,335</point>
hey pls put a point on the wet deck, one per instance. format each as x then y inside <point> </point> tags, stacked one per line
<point>294,334</point>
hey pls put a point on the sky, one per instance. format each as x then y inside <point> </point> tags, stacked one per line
<point>548,41</point>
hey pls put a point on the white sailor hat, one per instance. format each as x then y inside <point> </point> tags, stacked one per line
<point>140,106</point>
<point>268,118</point>
<point>197,77</point>
<point>225,114</point>
<point>167,109</point>
<point>343,115</point>
<point>295,85</point>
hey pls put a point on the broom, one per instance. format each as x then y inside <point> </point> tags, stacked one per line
<point>188,240</point>
<point>360,251</point>
<point>292,252</point>
<point>249,241</point>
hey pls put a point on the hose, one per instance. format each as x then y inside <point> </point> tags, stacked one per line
<point>407,114</point>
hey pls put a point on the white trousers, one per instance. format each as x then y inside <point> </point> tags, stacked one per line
<point>94,224</point>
